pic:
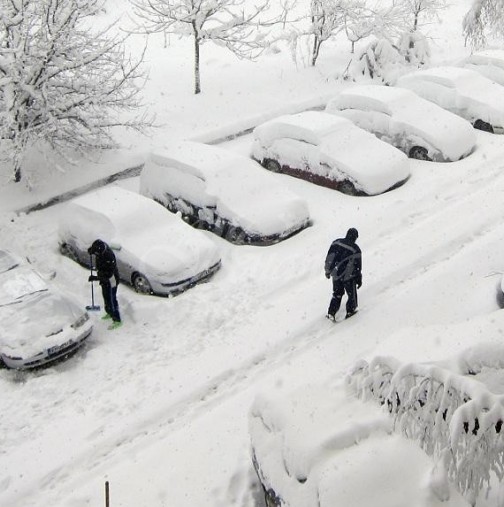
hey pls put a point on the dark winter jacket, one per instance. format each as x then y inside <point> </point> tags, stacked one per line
<point>105,263</point>
<point>344,260</point>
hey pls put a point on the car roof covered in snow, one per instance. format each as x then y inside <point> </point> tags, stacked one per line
<point>241,190</point>
<point>471,90</point>
<point>309,126</point>
<point>319,444</point>
<point>412,114</point>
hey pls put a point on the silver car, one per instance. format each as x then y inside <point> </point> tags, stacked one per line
<point>156,251</point>
<point>39,324</point>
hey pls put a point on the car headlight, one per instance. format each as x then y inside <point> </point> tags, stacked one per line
<point>80,321</point>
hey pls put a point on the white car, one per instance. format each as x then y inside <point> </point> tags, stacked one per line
<point>462,91</point>
<point>331,151</point>
<point>488,62</point>
<point>419,128</point>
<point>223,192</point>
<point>319,446</point>
<point>39,324</point>
<point>156,251</point>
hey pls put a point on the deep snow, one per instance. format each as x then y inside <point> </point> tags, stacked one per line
<point>159,407</point>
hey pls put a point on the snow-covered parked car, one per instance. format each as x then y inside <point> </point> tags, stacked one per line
<point>331,151</point>
<point>39,324</point>
<point>223,192</point>
<point>488,62</point>
<point>319,446</point>
<point>416,126</point>
<point>156,251</point>
<point>462,91</point>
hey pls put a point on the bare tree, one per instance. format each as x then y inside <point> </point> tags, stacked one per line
<point>60,82</point>
<point>227,23</point>
<point>484,16</point>
<point>416,9</point>
<point>327,20</point>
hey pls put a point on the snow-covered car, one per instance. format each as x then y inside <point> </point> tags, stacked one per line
<point>223,192</point>
<point>331,151</point>
<point>39,324</point>
<point>416,126</point>
<point>488,62</point>
<point>156,251</point>
<point>319,446</point>
<point>462,91</point>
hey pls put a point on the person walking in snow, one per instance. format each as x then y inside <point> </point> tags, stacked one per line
<point>108,276</point>
<point>344,264</point>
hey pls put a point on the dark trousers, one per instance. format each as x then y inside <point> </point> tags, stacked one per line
<point>339,289</point>
<point>109,294</point>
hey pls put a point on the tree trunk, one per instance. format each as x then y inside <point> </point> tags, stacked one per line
<point>197,79</point>
<point>316,49</point>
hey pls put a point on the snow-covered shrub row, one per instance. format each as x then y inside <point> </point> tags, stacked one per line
<point>452,417</point>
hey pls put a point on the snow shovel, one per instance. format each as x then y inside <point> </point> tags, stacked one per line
<point>92,307</point>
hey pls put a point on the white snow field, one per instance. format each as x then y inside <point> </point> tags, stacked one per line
<point>159,408</point>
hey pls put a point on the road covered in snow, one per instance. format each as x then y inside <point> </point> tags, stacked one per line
<point>159,407</point>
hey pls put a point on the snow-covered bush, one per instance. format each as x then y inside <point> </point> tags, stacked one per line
<point>380,60</point>
<point>452,417</point>
<point>415,48</point>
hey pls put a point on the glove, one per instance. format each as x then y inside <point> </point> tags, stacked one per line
<point>359,283</point>
<point>328,275</point>
<point>93,278</point>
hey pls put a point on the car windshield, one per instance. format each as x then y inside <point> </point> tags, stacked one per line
<point>17,285</point>
<point>7,261</point>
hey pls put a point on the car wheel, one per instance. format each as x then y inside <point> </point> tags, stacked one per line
<point>483,125</point>
<point>272,165</point>
<point>141,284</point>
<point>347,187</point>
<point>69,251</point>
<point>419,153</point>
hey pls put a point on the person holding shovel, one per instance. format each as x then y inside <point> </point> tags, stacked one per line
<point>108,276</point>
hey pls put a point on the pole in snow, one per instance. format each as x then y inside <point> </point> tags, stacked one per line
<point>107,494</point>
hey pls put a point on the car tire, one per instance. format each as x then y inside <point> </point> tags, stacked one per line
<point>419,153</point>
<point>69,251</point>
<point>271,165</point>
<point>141,284</point>
<point>347,187</point>
<point>483,125</point>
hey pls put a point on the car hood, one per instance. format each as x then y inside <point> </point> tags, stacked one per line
<point>170,254</point>
<point>36,323</point>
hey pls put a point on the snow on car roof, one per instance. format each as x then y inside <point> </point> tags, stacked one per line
<point>484,97</point>
<point>240,189</point>
<point>332,443</point>
<point>412,114</point>
<point>308,126</point>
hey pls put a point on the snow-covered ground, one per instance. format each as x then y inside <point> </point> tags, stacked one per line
<point>159,407</point>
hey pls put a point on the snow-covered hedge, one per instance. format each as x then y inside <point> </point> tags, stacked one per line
<point>453,417</point>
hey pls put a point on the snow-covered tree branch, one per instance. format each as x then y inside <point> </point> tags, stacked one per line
<point>451,416</point>
<point>484,16</point>
<point>234,24</point>
<point>60,82</point>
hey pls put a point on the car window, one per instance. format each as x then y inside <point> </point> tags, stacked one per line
<point>18,284</point>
